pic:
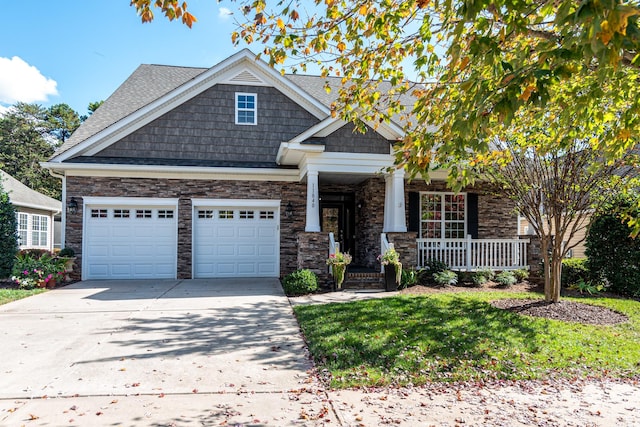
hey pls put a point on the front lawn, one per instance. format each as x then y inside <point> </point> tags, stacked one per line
<point>458,337</point>
<point>8,295</point>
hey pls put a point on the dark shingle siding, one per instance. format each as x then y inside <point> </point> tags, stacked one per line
<point>347,140</point>
<point>204,128</point>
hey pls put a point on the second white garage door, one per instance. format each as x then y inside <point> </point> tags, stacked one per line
<point>236,241</point>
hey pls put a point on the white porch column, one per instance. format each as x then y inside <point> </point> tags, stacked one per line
<point>388,203</point>
<point>313,203</point>
<point>399,217</point>
<point>394,207</point>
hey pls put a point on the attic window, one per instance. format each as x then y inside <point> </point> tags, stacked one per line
<point>246,108</point>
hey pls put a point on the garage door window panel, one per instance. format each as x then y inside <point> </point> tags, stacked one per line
<point>121,213</point>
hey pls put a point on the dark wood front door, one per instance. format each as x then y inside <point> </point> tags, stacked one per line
<point>337,216</point>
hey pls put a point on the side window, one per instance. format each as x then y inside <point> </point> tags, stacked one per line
<point>246,108</point>
<point>23,228</point>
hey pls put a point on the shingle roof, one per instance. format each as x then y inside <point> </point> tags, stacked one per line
<point>150,82</point>
<point>21,195</point>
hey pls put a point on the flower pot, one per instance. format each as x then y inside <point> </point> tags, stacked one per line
<point>69,263</point>
<point>51,284</point>
<point>390,278</point>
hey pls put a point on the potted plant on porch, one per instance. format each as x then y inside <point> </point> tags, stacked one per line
<point>338,263</point>
<point>390,259</point>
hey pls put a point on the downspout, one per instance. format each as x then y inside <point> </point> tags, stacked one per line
<point>63,213</point>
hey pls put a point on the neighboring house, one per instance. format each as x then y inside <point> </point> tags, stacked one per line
<point>35,214</point>
<point>577,241</point>
<point>237,170</point>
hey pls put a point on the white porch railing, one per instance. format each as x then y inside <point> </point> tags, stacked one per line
<point>474,254</point>
<point>333,248</point>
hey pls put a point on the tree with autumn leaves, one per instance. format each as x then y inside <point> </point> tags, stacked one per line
<point>503,87</point>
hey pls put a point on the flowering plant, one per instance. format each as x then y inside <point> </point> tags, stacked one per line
<point>339,258</point>
<point>338,263</point>
<point>32,270</point>
<point>390,256</point>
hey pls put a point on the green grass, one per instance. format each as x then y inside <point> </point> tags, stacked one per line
<point>8,295</point>
<point>459,337</point>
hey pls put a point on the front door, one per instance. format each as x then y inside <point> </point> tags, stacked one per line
<point>337,216</point>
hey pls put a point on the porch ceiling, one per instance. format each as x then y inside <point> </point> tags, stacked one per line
<point>343,178</point>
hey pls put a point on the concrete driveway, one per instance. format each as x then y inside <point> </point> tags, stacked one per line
<point>150,338</point>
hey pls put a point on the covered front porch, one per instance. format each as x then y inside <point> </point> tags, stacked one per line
<point>366,203</point>
<point>362,213</point>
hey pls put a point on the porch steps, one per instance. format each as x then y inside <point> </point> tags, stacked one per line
<point>364,280</point>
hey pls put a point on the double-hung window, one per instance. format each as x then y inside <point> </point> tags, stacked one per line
<point>23,228</point>
<point>40,230</point>
<point>246,108</point>
<point>442,215</point>
<point>33,230</point>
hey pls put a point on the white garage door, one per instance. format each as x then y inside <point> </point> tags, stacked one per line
<point>130,242</point>
<point>236,241</point>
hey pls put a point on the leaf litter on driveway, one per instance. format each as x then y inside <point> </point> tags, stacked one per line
<point>558,402</point>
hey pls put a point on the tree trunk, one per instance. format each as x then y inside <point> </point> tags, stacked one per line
<point>552,270</point>
<point>546,269</point>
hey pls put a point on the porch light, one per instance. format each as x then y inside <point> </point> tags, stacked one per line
<point>72,206</point>
<point>288,211</point>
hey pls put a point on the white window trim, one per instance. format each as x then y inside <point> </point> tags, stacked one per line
<point>254,109</point>
<point>443,221</point>
<point>25,243</point>
<point>28,243</point>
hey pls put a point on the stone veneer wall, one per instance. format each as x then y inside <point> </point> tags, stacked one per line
<point>313,251</point>
<point>406,246</point>
<point>369,221</point>
<point>185,190</point>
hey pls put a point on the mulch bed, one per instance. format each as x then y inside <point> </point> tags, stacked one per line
<point>568,311</point>
<point>8,284</point>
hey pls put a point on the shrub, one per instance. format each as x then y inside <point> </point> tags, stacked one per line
<point>67,252</point>
<point>8,234</point>
<point>445,278</point>
<point>482,276</point>
<point>435,266</point>
<point>505,278</point>
<point>479,279</point>
<point>612,254</point>
<point>521,275</point>
<point>408,278</point>
<point>432,266</point>
<point>574,270</point>
<point>300,282</point>
<point>591,288</point>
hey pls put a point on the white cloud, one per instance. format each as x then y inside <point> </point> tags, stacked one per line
<point>21,82</point>
<point>224,13</point>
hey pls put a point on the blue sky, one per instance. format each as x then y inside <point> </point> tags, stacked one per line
<point>80,51</point>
